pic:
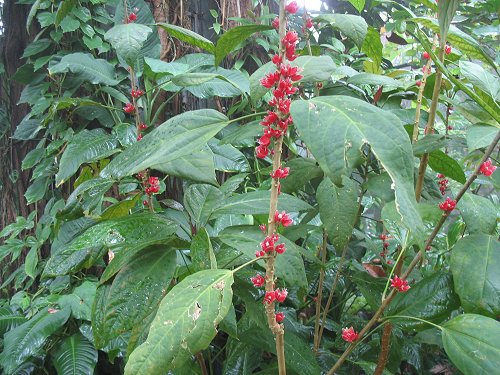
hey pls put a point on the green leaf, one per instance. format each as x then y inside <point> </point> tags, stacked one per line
<point>173,139</point>
<point>353,27</point>
<point>64,9</point>
<point>80,300</point>
<point>432,299</point>
<point>198,167</point>
<point>372,45</point>
<point>27,129</point>
<point>185,323</point>
<point>302,171</point>
<point>479,136</point>
<point>31,262</point>
<point>122,234</point>
<point>128,40</point>
<point>9,320</point>
<point>134,294</point>
<point>446,11</point>
<point>27,339</point>
<point>233,37</point>
<point>479,214</point>
<point>201,252</point>
<point>228,158</point>
<point>200,201</point>
<point>314,68</point>
<point>429,143</point>
<point>74,355</point>
<point>338,209</point>
<point>242,358</point>
<point>373,79</point>
<point>442,163</point>
<point>95,71</point>
<point>86,147</point>
<point>481,78</point>
<point>332,125</point>
<point>36,46</point>
<point>192,79</point>
<point>188,36</point>
<point>358,4</point>
<point>246,240</point>
<point>475,261</point>
<point>257,203</point>
<point>472,342</point>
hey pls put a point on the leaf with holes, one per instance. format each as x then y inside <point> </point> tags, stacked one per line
<point>332,125</point>
<point>185,323</point>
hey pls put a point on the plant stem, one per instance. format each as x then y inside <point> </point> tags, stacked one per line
<point>384,351</point>
<point>421,95</point>
<point>415,260</point>
<point>319,296</point>
<point>201,362</point>
<point>429,129</point>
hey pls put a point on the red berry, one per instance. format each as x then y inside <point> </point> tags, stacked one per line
<point>418,83</point>
<point>487,168</point>
<point>448,205</point>
<point>143,126</point>
<point>279,317</point>
<point>139,137</point>
<point>132,17</point>
<point>269,297</point>
<point>447,50</point>
<point>426,55</point>
<point>129,108</point>
<point>258,280</point>
<point>309,23</point>
<point>280,249</point>
<point>399,284</point>
<point>292,8</point>
<point>349,334</point>
<point>280,295</point>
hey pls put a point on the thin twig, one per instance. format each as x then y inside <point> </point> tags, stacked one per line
<point>319,296</point>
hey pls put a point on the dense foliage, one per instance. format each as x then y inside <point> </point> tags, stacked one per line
<point>373,181</point>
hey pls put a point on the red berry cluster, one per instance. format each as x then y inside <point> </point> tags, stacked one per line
<point>269,245</point>
<point>132,17</point>
<point>152,186</point>
<point>487,168</point>
<point>349,334</point>
<point>276,295</point>
<point>448,205</point>
<point>443,183</point>
<point>129,108</point>
<point>292,7</point>
<point>385,244</point>
<point>399,284</point>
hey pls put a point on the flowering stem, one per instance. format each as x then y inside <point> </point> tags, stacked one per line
<point>429,129</point>
<point>415,260</point>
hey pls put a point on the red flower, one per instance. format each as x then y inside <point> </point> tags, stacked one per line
<point>270,119</point>
<point>447,50</point>
<point>448,205</point>
<point>418,83</point>
<point>269,297</point>
<point>261,151</point>
<point>399,284</point>
<point>137,93</point>
<point>129,108</point>
<point>277,60</point>
<point>280,249</point>
<point>309,23</point>
<point>386,245</point>
<point>276,23</point>
<point>280,173</point>
<point>143,126</point>
<point>145,202</point>
<point>349,334</point>
<point>288,71</point>
<point>263,228</point>
<point>487,168</point>
<point>260,253</point>
<point>282,218</point>
<point>258,280</point>
<point>132,17</point>
<point>275,237</point>
<point>440,175</point>
<point>279,317</point>
<point>383,237</point>
<point>426,55</point>
<point>280,295</point>
<point>292,8</point>
<point>268,244</point>
<point>270,80</point>
<point>139,137</point>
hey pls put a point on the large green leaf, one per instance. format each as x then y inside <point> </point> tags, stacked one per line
<point>74,355</point>
<point>472,342</point>
<point>338,208</point>
<point>64,9</point>
<point>86,147</point>
<point>332,125</point>
<point>185,323</point>
<point>302,171</point>
<point>246,240</point>
<point>475,261</point>
<point>198,167</point>
<point>134,294</point>
<point>122,234</point>
<point>432,299</point>
<point>128,40</point>
<point>446,12</point>
<point>225,83</point>
<point>242,358</point>
<point>481,78</point>
<point>188,36</point>
<point>479,214</point>
<point>233,37</point>
<point>228,158</point>
<point>257,203</point>
<point>353,27</point>
<point>442,163</point>
<point>201,252</point>
<point>80,300</point>
<point>96,71</point>
<point>27,339</point>
<point>173,139</point>
<point>9,320</point>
